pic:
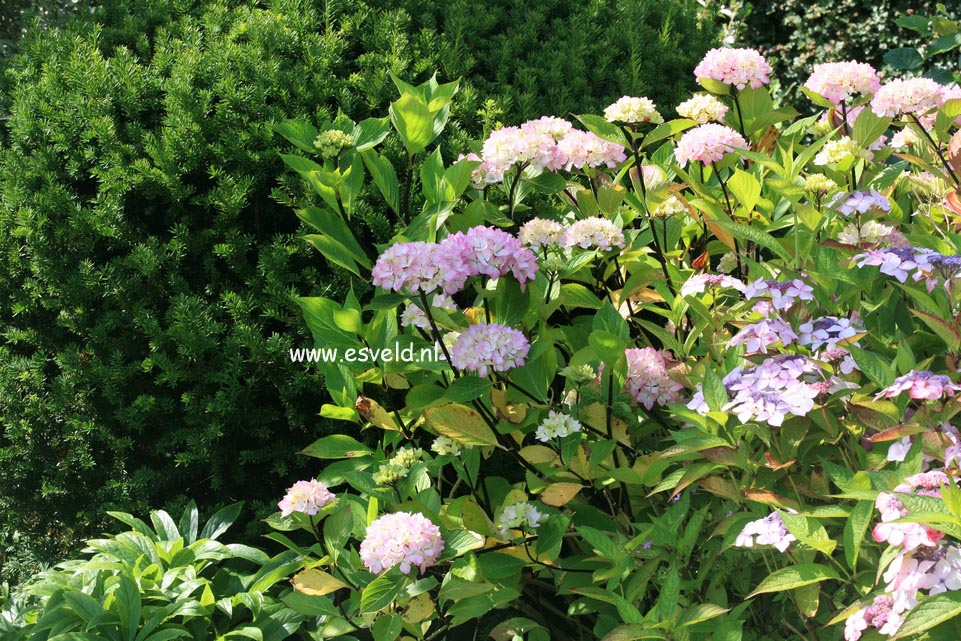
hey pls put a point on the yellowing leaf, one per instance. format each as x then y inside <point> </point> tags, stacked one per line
<point>419,608</point>
<point>373,413</point>
<point>316,582</point>
<point>560,494</point>
<point>507,410</point>
<point>460,423</point>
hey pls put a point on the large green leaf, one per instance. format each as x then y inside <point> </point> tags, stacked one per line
<point>794,577</point>
<point>381,592</point>
<point>930,612</point>
<point>413,121</point>
<point>336,446</point>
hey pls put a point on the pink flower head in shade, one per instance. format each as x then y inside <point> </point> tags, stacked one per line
<point>708,144</point>
<point>907,535</point>
<point>406,539</point>
<point>580,149</point>
<point>923,385</point>
<point>917,96</point>
<point>647,378</point>
<point>736,67</point>
<point>769,531</point>
<point>482,348</point>
<point>306,497</point>
<point>539,232</point>
<point>881,614</point>
<point>592,233</point>
<point>838,81</point>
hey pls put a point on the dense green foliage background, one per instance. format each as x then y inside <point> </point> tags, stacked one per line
<point>149,250</point>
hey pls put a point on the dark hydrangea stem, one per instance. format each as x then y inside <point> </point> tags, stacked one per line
<point>847,132</point>
<point>937,149</point>
<point>436,333</point>
<point>730,212</point>
<point>737,109</point>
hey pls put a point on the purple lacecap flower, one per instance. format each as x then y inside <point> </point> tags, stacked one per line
<point>757,337</point>
<point>783,295</point>
<point>922,385</point>
<point>769,531</point>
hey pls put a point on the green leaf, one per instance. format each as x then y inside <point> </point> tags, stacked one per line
<point>384,177</point>
<point>945,331</point>
<point>303,166</point>
<point>189,523</point>
<point>809,532</point>
<point>699,613</point>
<point>576,295</point>
<point>873,366</point>
<point>855,529</point>
<point>333,225</point>
<point>930,612</point>
<point>550,535</point>
<point>668,129</point>
<point>633,632</point>
<point>299,132</point>
<point>715,86</point>
<point>333,251</point>
<point>467,388</point>
<point>221,520</point>
<point>914,23</point>
<point>904,58</point>
<point>336,446</point>
<point>316,582</point>
<point>794,577</point>
<point>460,423</point>
<point>944,43</point>
<point>387,628</point>
<point>755,235</point>
<point>322,316</point>
<point>370,132</point>
<point>715,394</point>
<point>129,605</point>
<point>745,188</point>
<point>381,592</point>
<point>868,127</point>
<point>599,126</point>
<point>413,121</point>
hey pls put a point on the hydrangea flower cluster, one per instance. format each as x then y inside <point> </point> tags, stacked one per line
<point>757,337</point>
<point>483,348</point>
<point>519,516</point>
<point>557,425</point>
<point>838,81</point>
<point>428,267</point>
<point>827,331</point>
<point>767,392</point>
<point>547,143</point>
<point>444,446</point>
<point>917,96</point>
<point>398,465</point>
<point>880,614</point>
<point>923,385</point>
<point>698,283</point>
<point>769,531</point>
<point>899,262</point>
<point>647,378</point>
<point>708,144</point>
<point>840,149</point>
<point>861,202</point>
<point>402,539</point>
<point>632,110</point>
<point>783,295</point>
<point>703,108</point>
<point>415,316</point>
<point>907,535</point>
<point>819,184</point>
<point>540,232</point>
<point>871,232</point>
<point>594,232</point>
<point>307,497</point>
<point>735,67</point>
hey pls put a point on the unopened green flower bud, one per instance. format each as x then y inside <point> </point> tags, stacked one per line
<point>331,142</point>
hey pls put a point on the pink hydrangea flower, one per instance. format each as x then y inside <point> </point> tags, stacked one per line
<point>923,385</point>
<point>402,539</point>
<point>907,535</point>
<point>703,108</point>
<point>485,251</point>
<point>411,267</point>
<point>482,348</point>
<point>736,67</point>
<point>708,144</point>
<point>307,497</point>
<point>881,614</point>
<point>647,378</point>
<point>580,149</point>
<point>593,232</point>
<point>917,96</point>
<point>551,126</point>
<point>838,81</point>
<point>508,147</point>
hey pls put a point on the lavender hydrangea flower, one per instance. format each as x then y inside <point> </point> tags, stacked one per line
<point>783,295</point>
<point>860,202</point>
<point>757,337</point>
<point>922,385</point>
<point>769,531</point>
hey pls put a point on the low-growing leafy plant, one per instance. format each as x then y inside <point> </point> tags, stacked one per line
<point>164,580</point>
